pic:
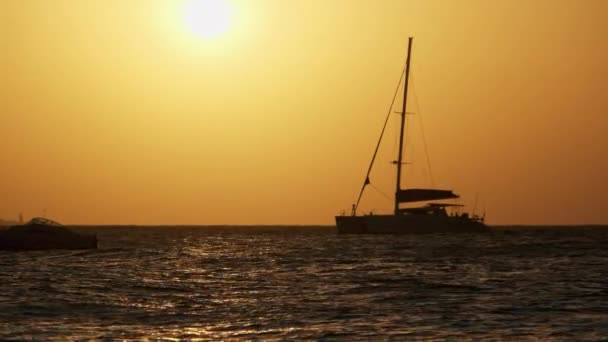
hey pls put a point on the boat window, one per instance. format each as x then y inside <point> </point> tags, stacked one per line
<point>44,222</point>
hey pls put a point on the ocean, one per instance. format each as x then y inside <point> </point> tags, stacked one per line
<point>308,283</point>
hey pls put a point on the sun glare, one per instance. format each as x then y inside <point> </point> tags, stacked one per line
<point>207,18</point>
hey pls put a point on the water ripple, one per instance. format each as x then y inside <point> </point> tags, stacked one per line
<point>306,283</point>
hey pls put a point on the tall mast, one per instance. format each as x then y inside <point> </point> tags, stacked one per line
<point>402,131</point>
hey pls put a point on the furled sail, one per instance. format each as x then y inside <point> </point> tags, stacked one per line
<point>418,195</point>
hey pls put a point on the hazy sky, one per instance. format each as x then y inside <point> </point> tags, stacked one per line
<point>115,111</point>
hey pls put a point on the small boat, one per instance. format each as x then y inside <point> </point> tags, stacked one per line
<point>426,218</point>
<point>44,234</point>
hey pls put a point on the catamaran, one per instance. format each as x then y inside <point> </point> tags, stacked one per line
<point>425,218</point>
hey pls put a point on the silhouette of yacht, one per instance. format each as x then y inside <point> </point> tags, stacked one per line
<point>44,234</point>
<point>428,218</point>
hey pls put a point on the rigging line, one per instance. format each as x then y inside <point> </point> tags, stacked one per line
<point>381,192</point>
<point>426,147</point>
<point>371,164</point>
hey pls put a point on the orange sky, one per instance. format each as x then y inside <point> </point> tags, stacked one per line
<point>112,111</point>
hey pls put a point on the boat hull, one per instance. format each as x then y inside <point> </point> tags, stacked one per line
<point>35,238</point>
<point>408,224</point>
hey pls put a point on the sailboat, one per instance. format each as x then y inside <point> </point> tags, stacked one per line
<point>425,218</point>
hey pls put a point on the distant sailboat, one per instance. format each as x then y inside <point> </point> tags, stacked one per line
<point>428,218</point>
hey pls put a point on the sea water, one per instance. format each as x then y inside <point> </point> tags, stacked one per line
<point>219,283</point>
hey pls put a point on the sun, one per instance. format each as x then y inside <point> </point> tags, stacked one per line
<point>207,18</point>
